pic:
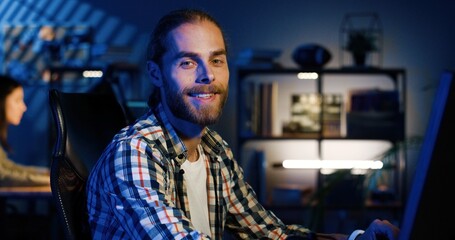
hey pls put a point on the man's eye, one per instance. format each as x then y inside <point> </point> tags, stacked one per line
<point>187,64</point>
<point>218,61</point>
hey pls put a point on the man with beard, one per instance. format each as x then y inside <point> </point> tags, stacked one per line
<point>169,176</point>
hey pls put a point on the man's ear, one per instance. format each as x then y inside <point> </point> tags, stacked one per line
<point>154,72</point>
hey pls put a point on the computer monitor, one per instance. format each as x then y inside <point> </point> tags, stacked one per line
<point>430,209</point>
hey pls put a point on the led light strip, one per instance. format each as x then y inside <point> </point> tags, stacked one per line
<point>332,164</point>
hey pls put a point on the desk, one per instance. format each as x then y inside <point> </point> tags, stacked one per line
<point>26,192</point>
<point>26,212</point>
<point>32,194</point>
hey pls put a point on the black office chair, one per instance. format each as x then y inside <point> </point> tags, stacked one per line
<point>85,123</point>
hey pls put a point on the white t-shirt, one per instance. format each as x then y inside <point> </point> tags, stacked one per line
<point>195,177</point>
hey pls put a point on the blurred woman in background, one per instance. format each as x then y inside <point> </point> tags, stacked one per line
<point>12,108</point>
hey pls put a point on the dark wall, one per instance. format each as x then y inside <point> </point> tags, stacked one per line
<point>417,37</point>
<point>416,34</point>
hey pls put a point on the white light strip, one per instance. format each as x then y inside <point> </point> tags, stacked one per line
<point>333,164</point>
<point>307,75</point>
<point>92,73</point>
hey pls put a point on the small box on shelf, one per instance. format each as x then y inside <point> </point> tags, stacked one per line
<point>375,125</point>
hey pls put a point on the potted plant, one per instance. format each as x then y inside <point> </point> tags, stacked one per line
<point>360,43</point>
<point>373,181</point>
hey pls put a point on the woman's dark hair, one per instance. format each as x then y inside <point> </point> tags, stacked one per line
<point>157,44</point>
<point>7,85</point>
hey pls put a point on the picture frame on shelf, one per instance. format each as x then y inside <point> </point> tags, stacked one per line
<point>307,110</point>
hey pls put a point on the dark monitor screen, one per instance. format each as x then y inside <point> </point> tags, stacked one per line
<point>430,208</point>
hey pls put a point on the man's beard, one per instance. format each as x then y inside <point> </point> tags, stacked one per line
<point>205,115</point>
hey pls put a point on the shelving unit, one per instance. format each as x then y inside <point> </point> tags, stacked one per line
<point>397,76</point>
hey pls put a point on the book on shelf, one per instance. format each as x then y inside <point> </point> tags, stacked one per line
<point>268,101</point>
<point>259,54</point>
<point>248,105</point>
<point>373,100</point>
<point>332,108</point>
<point>257,65</point>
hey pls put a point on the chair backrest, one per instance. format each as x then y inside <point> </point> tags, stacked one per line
<point>84,125</point>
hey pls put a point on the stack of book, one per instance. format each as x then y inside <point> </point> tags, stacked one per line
<point>258,58</point>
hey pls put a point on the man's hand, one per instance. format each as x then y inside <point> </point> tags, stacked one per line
<point>380,229</point>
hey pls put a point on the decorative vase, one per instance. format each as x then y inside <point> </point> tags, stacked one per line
<point>359,59</point>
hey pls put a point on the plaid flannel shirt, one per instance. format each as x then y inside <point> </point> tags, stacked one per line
<point>136,189</point>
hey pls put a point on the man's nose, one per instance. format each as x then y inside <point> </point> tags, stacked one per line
<point>206,75</point>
